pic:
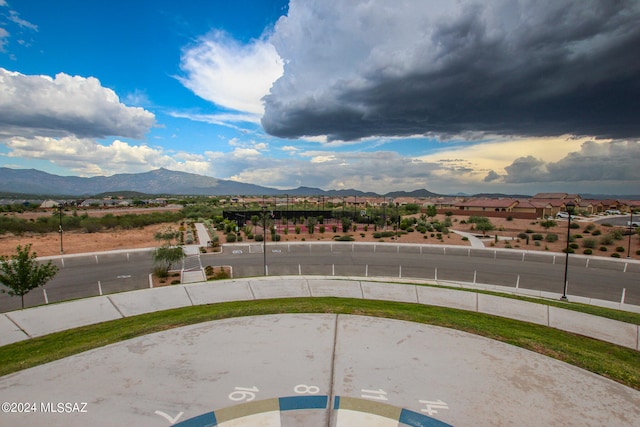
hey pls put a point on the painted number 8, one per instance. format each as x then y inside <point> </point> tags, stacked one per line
<point>306,389</point>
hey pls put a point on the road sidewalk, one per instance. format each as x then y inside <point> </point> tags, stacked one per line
<point>24,324</point>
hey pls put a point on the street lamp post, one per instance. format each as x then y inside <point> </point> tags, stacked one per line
<point>569,207</point>
<point>60,227</point>
<point>630,233</point>
<point>264,238</point>
<point>398,217</point>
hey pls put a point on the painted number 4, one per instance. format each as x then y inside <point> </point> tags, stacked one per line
<point>432,406</point>
<point>243,393</point>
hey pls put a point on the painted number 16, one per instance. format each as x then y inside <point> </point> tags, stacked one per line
<point>243,393</point>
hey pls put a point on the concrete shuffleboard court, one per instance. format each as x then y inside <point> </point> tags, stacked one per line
<point>313,370</point>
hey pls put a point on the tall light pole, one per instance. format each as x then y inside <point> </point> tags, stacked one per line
<point>398,217</point>
<point>264,239</point>
<point>569,207</point>
<point>60,227</point>
<point>631,229</point>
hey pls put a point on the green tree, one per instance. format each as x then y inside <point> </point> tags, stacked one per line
<point>412,208</point>
<point>311,224</point>
<point>484,226</point>
<point>165,256</point>
<point>22,272</point>
<point>431,211</point>
<point>169,253</point>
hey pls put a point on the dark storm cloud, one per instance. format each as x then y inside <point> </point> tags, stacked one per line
<point>596,162</point>
<point>533,68</point>
<point>491,176</point>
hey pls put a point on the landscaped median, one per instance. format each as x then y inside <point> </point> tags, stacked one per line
<point>64,329</point>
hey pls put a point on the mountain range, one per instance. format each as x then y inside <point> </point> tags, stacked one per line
<point>157,182</point>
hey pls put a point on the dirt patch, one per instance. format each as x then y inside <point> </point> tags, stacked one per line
<point>76,242</point>
<point>507,232</point>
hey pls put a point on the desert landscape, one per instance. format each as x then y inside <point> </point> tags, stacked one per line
<point>507,231</point>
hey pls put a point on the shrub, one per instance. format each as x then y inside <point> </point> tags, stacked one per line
<point>160,272</point>
<point>464,239</point>
<point>574,245</point>
<point>537,237</point>
<point>231,237</point>
<point>607,239</point>
<point>381,234</point>
<point>523,236</point>
<point>569,250</point>
<point>345,238</point>
<point>619,249</point>
<point>548,223</point>
<point>603,249</point>
<point>615,255</point>
<point>551,237</point>
<point>509,218</point>
<point>259,237</point>
<point>596,232</point>
<point>574,225</point>
<point>589,243</point>
<point>587,252</point>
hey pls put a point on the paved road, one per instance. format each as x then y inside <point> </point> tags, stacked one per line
<point>601,278</point>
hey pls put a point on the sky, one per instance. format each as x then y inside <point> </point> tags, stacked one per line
<point>492,96</point>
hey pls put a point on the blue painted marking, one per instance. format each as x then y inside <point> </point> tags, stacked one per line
<point>415,419</point>
<point>336,402</point>
<point>303,402</point>
<point>204,420</point>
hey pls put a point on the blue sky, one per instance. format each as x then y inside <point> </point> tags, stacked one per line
<point>380,95</point>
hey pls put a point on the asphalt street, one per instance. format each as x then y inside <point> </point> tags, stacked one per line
<point>109,272</point>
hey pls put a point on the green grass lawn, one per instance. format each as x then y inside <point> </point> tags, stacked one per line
<point>618,363</point>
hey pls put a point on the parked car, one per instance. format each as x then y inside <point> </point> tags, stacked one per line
<point>564,215</point>
<point>612,212</point>
<point>634,224</point>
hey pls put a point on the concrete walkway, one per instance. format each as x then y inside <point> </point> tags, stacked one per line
<point>473,240</point>
<point>37,321</point>
<point>314,370</point>
<point>192,270</point>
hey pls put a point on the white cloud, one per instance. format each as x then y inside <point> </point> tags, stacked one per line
<point>15,18</point>
<point>229,74</point>
<point>4,39</point>
<point>86,157</point>
<point>66,105</point>
<point>226,119</point>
